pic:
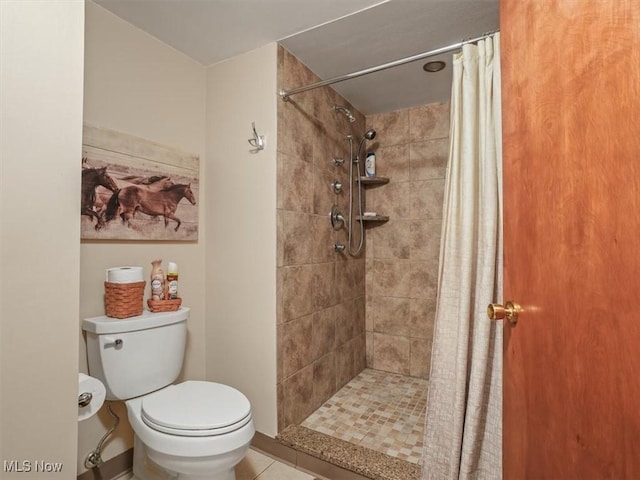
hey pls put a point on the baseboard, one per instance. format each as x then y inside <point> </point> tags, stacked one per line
<point>112,468</point>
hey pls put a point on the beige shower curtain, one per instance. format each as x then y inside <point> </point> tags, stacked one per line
<point>463,434</point>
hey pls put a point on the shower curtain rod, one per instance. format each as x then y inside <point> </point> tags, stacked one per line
<point>285,94</point>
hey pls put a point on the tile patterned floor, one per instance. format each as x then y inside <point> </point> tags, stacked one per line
<point>257,466</point>
<point>379,410</point>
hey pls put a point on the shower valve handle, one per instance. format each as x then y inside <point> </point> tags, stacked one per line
<point>337,219</point>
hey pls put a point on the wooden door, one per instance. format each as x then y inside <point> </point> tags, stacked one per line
<point>571,103</point>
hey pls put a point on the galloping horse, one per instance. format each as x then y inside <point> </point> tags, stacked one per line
<point>134,198</point>
<point>154,183</point>
<point>91,179</point>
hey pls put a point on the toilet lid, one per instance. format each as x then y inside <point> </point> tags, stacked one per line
<point>196,408</point>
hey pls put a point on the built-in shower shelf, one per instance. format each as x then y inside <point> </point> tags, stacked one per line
<point>371,220</point>
<point>373,180</point>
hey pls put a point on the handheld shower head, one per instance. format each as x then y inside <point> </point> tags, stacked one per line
<point>369,135</point>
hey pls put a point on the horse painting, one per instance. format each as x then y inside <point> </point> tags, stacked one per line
<point>131,199</point>
<point>91,179</point>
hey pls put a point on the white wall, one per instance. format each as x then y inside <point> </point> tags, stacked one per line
<point>40,146</point>
<point>138,85</point>
<point>241,230</point>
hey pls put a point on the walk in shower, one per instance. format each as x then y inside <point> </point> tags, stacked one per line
<point>355,331</point>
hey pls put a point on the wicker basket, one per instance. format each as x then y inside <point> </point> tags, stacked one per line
<point>123,300</point>
<point>164,305</point>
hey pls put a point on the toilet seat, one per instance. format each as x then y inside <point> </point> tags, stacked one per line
<point>196,409</point>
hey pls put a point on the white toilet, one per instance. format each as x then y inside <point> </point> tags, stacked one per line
<point>190,431</point>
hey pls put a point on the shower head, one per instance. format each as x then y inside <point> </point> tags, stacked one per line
<point>346,111</point>
<point>369,135</point>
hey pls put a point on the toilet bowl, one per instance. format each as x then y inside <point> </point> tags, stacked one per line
<point>193,430</point>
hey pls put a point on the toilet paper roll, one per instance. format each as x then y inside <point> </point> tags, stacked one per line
<point>95,387</point>
<point>125,275</point>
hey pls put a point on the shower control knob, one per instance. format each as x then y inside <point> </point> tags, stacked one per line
<point>337,219</point>
<point>509,310</point>
<point>337,186</point>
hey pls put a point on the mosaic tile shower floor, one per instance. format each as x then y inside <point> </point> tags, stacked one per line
<point>379,410</point>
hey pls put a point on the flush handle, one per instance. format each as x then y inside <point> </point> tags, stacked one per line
<point>113,342</point>
<point>509,310</point>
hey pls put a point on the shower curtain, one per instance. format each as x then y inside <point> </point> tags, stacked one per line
<point>463,434</point>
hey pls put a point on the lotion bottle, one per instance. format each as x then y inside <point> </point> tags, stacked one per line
<point>157,281</point>
<point>172,281</point>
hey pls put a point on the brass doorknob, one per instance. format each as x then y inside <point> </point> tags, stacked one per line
<point>510,311</point>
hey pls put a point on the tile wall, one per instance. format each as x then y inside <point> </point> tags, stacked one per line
<point>411,149</point>
<point>321,294</point>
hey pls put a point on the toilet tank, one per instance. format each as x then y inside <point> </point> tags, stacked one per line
<point>136,355</point>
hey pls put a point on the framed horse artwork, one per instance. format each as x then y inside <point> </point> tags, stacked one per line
<point>135,189</point>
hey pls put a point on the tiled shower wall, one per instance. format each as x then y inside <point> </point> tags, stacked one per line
<point>411,148</point>
<point>321,302</point>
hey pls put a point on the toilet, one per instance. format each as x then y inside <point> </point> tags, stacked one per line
<point>192,430</point>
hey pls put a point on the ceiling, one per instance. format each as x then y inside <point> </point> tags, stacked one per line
<point>331,37</point>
